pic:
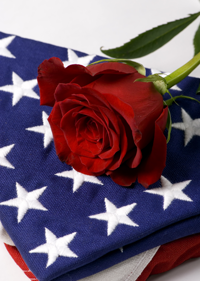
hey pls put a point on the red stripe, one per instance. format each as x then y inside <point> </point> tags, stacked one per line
<point>20,262</point>
<point>167,257</point>
<point>171,255</point>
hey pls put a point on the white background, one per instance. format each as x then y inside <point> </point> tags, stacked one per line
<point>86,25</point>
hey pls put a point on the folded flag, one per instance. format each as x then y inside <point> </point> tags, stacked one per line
<point>67,225</point>
<point>162,259</point>
<point>171,255</point>
<point>20,262</point>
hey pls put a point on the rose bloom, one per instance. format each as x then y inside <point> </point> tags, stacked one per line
<point>103,122</point>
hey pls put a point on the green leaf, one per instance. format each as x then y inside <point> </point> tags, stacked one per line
<point>139,67</point>
<point>150,40</point>
<point>150,78</point>
<point>198,90</point>
<point>169,125</point>
<point>158,81</point>
<point>196,41</point>
<point>170,101</point>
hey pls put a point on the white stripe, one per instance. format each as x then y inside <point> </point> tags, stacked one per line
<point>128,270</point>
<point>4,237</point>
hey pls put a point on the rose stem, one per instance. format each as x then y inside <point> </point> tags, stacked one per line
<point>182,72</point>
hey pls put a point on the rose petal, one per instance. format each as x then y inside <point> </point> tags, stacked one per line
<point>114,146</point>
<point>74,161</point>
<point>52,72</point>
<point>96,166</point>
<point>110,68</point>
<point>90,140</point>
<point>110,146</point>
<point>62,149</point>
<point>145,101</point>
<point>82,96</point>
<point>124,175</point>
<point>64,91</point>
<point>127,90</point>
<point>68,126</point>
<point>151,169</point>
<point>119,156</point>
<point>110,117</point>
<point>89,129</point>
<point>126,112</point>
<point>84,79</point>
<point>128,115</point>
<point>135,161</point>
<point>91,103</point>
<point>61,146</point>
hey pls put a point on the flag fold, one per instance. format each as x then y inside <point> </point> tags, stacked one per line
<point>67,225</point>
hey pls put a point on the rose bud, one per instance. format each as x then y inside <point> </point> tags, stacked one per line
<point>105,123</point>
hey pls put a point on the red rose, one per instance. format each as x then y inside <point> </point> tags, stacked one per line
<point>104,122</point>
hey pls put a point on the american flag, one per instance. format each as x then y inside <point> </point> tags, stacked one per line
<point>67,225</point>
<point>138,268</point>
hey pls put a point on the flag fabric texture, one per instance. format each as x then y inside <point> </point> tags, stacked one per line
<point>163,258</point>
<point>67,225</point>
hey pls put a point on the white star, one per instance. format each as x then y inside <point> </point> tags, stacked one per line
<point>3,47</point>
<point>25,201</point>
<point>78,178</point>
<point>20,88</point>
<point>190,126</point>
<point>3,152</point>
<point>74,59</point>
<point>115,216</point>
<point>154,71</point>
<point>171,191</point>
<point>43,129</point>
<point>55,247</point>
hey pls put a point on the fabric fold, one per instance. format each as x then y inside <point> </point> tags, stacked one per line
<point>67,225</point>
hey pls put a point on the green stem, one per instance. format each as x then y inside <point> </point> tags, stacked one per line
<point>182,72</point>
